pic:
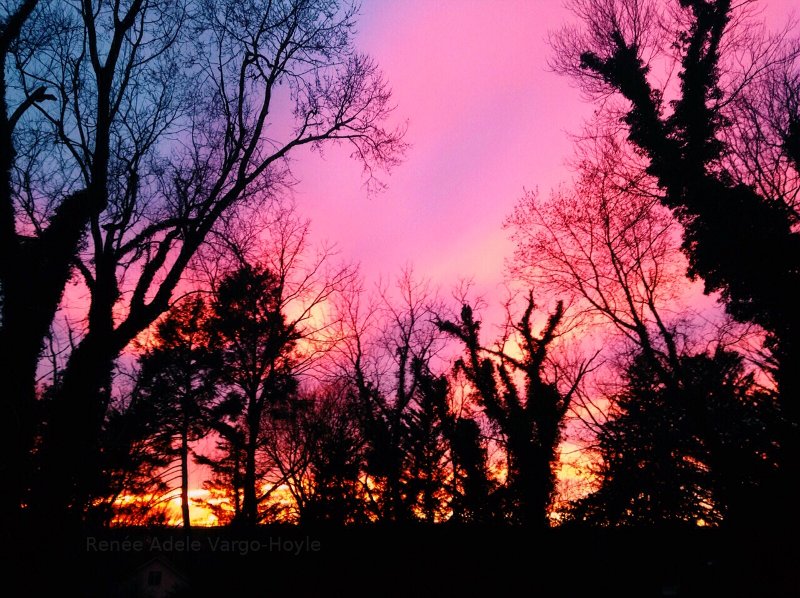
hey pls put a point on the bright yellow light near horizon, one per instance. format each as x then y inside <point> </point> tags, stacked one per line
<point>573,475</point>
<point>199,514</point>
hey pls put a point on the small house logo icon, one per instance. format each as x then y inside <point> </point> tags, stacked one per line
<point>156,578</point>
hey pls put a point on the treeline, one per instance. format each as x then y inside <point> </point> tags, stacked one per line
<point>319,403</point>
<point>144,150</point>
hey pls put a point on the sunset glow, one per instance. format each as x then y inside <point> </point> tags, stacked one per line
<point>502,282</point>
<point>487,122</point>
<point>487,119</point>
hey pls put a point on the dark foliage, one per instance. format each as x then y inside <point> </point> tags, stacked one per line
<point>741,241</point>
<point>531,421</point>
<point>700,452</point>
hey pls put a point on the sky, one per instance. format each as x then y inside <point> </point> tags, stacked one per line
<point>486,120</point>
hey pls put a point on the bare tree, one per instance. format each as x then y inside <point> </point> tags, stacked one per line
<point>609,247</point>
<point>388,351</point>
<point>739,227</point>
<point>406,343</point>
<point>319,450</point>
<point>167,116</point>
<point>71,70</point>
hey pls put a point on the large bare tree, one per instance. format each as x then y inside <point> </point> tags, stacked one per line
<point>136,128</point>
<point>708,100</point>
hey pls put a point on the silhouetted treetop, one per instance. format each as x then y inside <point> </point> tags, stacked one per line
<point>130,134</point>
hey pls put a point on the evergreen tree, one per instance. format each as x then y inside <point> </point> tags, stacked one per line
<point>177,383</point>
<point>335,450</point>
<point>697,453</point>
<point>256,345</point>
<point>427,451</point>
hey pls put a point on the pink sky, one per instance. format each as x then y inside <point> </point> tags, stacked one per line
<point>486,120</point>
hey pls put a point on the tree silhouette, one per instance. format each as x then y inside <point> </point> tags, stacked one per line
<point>136,461</point>
<point>301,282</point>
<point>660,461</point>
<point>322,456</point>
<point>93,184</point>
<point>337,462</point>
<point>739,236</point>
<point>609,247</point>
<point>439,434</point>
<point>428,449</point>
<point>71,92</point>
<point>530,420</point>
<point>474,491</point>
<point>387,352</point>
<point>257,347</point>
<point>177,379</point>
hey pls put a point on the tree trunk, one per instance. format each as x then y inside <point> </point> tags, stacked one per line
<point>788,379</point>
<point>532,479</point>
<point>20,341</point>
<point>185,475</point>
<point>33,276</point>
<point>72,471</point>
<point>249,503</point>
<point>250,498</point>
<point>398,513</point>
<point>237,485</point>
<point>18,372</point>
<point>71,468</point>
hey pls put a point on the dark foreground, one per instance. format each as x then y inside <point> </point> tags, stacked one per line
<point>438,561</point>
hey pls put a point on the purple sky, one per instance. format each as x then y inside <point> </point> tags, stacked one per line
<point>486,120</point>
